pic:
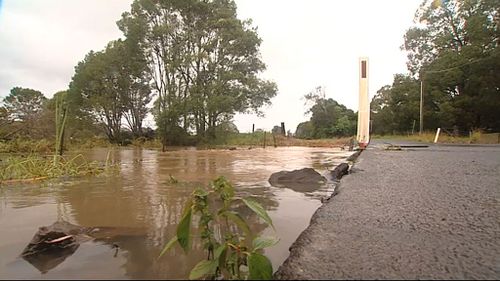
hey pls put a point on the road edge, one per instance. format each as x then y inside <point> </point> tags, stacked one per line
<point>302,238</point>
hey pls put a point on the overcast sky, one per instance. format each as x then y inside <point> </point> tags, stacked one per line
<point>306,43</point>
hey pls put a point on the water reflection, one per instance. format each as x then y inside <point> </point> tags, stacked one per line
<point>140,196</point>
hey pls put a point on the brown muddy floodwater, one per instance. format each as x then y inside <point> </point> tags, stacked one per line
<point>140,196</point>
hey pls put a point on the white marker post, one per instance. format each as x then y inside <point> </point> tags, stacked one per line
<point>363,135</point>
<point>437,135</point>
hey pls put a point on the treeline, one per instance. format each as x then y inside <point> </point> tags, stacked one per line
<point>453,54</point>
<point>453,58</point>
<point>328,118</point>
<point>192,64</point>
<point>27,114</point>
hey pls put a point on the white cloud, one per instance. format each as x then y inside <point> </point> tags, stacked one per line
<point>305,44</point>
<point>42,41</point>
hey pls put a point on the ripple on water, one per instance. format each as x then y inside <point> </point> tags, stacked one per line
<point>142,195</point>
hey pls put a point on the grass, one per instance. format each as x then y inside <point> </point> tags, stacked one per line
<point>151,144</point>
<point>89,143</point>
<point>36,167</point>
<point>42,146</point>
<point>252,140</point>
<point>476,137</point>
<point>260,139</point>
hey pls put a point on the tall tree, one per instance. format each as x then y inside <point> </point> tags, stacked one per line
<point>97,87</point>
<point>305,130</point>
<point>395,108</point>
<point>111,85</point>
<point>25,106</point>
<point>204,62</point>
<point>454,50</point>
<point>328,117</point>
<point>136,93</point>
<point>5,122</point>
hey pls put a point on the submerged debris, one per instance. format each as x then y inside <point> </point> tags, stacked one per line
<point>303,180</point>
<point>340,171</point>
<point>393,147</point>
<point>52,244</point>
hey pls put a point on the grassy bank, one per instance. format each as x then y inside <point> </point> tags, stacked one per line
<point>15,146</point>
<point>45,147</point>
<point>37,167</point>
<point>261,139</point>
<point>428,137</point>
<point>257,139</point>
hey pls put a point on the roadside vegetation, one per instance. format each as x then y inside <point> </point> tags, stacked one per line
<point>269,139</point>
<point>233,251</point>
<point>35,167</point>
<point>454,61</point>
<point>428,137</point>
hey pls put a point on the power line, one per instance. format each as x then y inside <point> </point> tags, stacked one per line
<point>458,66</point>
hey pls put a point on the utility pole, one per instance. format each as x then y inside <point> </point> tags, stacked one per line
<point>421,106</point>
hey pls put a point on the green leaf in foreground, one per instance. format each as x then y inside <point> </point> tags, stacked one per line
<point>219,251</point>
<point>264,242</point>
<point>258,209</point>
<point>168,246</point>
<point>203,268</point>
<point>260,268</point>
<point>238,220</point>
<point>183,230</point>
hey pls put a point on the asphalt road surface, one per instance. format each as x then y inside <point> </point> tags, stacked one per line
<point>417,213</point>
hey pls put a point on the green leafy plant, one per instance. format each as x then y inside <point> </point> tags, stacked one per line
<point>234,255</point>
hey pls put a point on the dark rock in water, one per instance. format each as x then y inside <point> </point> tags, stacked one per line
<point>52,244</point>
<point>340,171</point>
<point>51,257</point>
<point>303,180</point>
<point>305,175</point>
<point>59,235</point>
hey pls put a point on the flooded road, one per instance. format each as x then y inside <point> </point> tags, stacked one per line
<point>140,196</point>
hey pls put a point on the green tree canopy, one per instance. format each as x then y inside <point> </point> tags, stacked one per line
<point>24,106</point>
<point>453,49</point>
<point>305,130</point>
<point>395,108</point>
<point>203,60</point>
<point>96,88</point>
<point>328,118</point>
<point>110,85</point>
